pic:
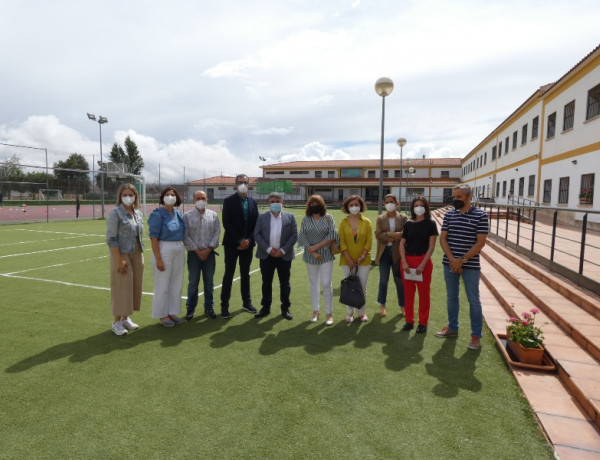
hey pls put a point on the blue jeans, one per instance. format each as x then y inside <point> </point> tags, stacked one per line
<point>195,267</point>
<point>386,263</point>
<point>471,281</point>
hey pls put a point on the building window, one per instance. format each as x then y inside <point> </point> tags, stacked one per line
<point>330,174</point>
<point>497,188</point>
<point>222,188</point>
<point>569,116</point>
<point>296,191</point>
<point>353,173</point>
<point>318,174</point>
<point>547,191</point>
<point>586,193</point>
<point>521,186</point>
<point>506,145</point>
<point>396,173</point>
<point>531,187</point>
<point>534,127</point>
<point>371,174</point>
<point>514,144</point>
<point>524,135</point>
<point>503,188</point>
<point>445,174</point>
<point>272,173</point>
<point>485,158</point>
<point>511,190</point>
<point>298,172</point>
<point>563,190</point>
<point>494,152</point>
<point>353,191</point>
<point>499,150</point>
<point>386,173</point>
<point>551,125</point>
<point>593,102</point>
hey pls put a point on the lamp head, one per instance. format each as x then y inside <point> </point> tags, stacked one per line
<point>91,116</point>
<point>384,86</point>
<point>102,120</point>
<point>401,142</point>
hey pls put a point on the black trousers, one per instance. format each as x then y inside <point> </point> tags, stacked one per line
<point>267,268</point>
<point>232,255</point>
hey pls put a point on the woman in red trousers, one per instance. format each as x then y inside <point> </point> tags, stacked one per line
<point>416,247</point>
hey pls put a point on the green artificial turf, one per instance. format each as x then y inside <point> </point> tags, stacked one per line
<point>242,388</point>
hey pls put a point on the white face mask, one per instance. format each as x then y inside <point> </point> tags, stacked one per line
<point>354,209</point>
<point>170,200</point>
<point>243,188</point>
<point>390,207</point>
<point>128,200</point>
<point>200,204</point>
<point>419,210</point>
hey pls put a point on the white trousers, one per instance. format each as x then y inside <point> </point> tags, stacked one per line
<point>168,283</point>
<point>363,275</point>
<point>319,275</point>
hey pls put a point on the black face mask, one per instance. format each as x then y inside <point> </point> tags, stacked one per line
<point>315,208</point>
<point>458,204</point>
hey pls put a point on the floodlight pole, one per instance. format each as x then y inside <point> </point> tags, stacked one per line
<point>101,120</point>
<point>383,87</point>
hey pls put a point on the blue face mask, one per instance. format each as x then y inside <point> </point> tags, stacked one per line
<point>275,207</point>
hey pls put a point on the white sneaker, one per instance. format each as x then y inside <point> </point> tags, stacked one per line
<point>129,325</point>
<point>118,328</point>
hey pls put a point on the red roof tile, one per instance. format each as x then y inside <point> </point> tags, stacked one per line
<point>366,163</point>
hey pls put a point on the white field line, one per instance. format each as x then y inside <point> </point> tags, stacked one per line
<point>42,241</point>
<point>52,266</point>
<point>54,233</point>
<point>100,288</point>
<point>51,250</point>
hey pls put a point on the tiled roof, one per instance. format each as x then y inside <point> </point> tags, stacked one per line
<point>367,163</point>
<point>221,180</point>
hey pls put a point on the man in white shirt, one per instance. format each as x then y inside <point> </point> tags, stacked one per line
<point>275,234</point>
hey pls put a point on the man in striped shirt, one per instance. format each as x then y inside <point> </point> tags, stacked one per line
<point>463,235</point>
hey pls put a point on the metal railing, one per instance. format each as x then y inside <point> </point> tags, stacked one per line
<point>565,240</point>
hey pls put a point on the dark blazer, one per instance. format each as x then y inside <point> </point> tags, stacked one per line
<point>289,235</point>
<point>233,220</point>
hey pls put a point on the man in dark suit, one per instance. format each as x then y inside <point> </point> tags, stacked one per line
<point>239,215</point>
<point>276,233</point>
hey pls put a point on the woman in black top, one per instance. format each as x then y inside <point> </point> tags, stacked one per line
<point>416,247</point>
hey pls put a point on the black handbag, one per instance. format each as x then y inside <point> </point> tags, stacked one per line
<point>351,291</point>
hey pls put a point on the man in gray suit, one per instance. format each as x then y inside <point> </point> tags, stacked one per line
<point>275,234</point>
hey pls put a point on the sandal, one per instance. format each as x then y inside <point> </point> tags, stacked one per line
<point>314,317</point>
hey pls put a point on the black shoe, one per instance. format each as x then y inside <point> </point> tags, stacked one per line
<point>225,314</point>
<point>421,329</point>
<point>263,312</point>
<point>407,326</point>
<point>249,308</point>
<point>287,315</point>
<point>210,314</point>
<point>189,316</point>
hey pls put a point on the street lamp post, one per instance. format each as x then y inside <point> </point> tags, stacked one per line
<point>101,120</point>
<point>411,173</point>
<point>401,143</point>
<point>384,87</point>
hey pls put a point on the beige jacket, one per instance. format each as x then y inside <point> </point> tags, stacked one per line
<point>381,228</point>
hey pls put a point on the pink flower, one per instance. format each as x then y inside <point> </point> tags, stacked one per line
<point>512,319</point>
<point>526,315</point>
<point>535,311</point>
<point>525,323</point>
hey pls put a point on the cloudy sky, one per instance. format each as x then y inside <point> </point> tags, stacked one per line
<point>213,85</point>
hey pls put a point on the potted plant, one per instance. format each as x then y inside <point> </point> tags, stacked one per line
<point>585,196</point>
<point>525,339</point>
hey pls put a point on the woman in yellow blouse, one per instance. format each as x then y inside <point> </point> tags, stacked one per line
<point>356,236</point>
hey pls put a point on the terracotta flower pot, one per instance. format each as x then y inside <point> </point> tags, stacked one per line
<point>523,354</point>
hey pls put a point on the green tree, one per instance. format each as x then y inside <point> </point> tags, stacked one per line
<point>11,169</point>
<point>134,159</point>
<point>117,154</point>
<point>67,175</point>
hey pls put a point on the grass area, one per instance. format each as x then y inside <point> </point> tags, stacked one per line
<point>241,388</point>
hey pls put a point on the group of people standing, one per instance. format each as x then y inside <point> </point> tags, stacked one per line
<point>404,247</point>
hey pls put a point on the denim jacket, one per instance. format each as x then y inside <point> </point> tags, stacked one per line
<point>121,229</point>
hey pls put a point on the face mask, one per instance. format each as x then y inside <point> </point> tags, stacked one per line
<point>315,209</point>
<point>275,207</point>
<point>354,209</point>
<point>390,207</point>
<point>200,204</point>
<point>458,204</point>
<point>170,200</point>
<point>419,210</point>
<point>128,200</point>
<point>243,188</point>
